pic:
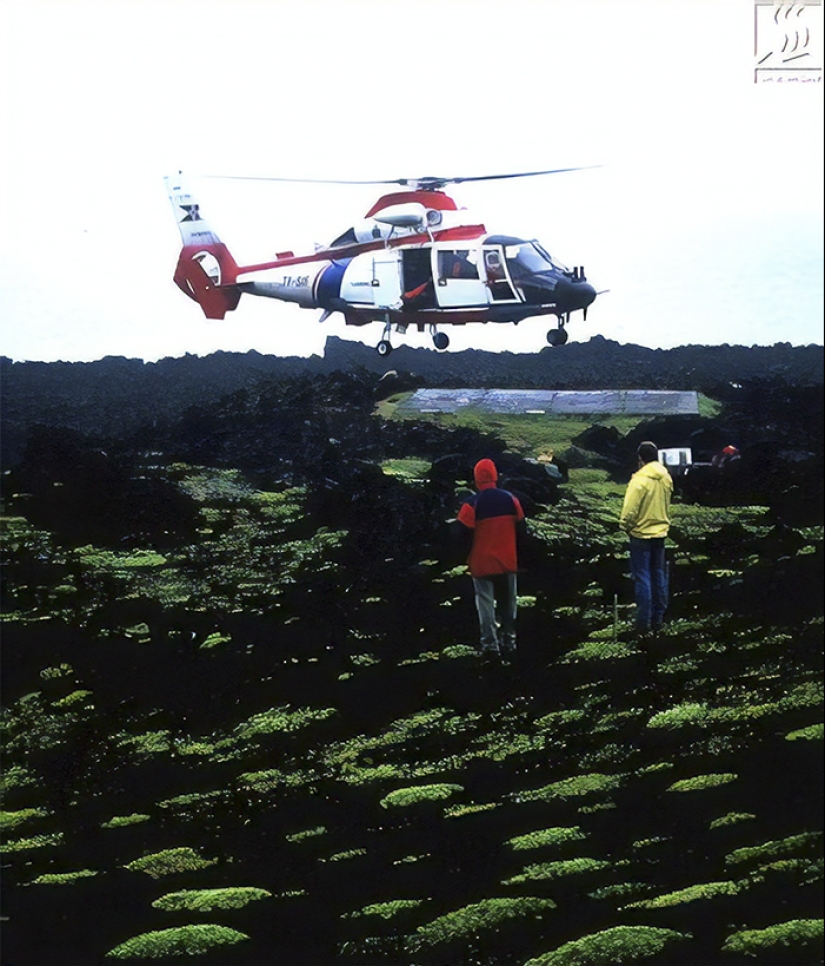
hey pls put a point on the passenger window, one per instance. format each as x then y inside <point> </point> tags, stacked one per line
<point>456,264</point>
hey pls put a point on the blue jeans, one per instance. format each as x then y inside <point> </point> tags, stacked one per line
<point>648,567</point>
<point>487,589</point>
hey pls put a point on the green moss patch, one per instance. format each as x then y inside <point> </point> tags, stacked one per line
<point>63,878</point>
<point>814,732</point>
<point>385,910</point>
<point>556,870</point>
<point>794,933</point>
<point>120,821</point>
<point>459,811</point>
<point>621,944</point>
<point>403,797</point>
<point>750,708</point>
<point>775,849</point>
<point>343,856</point>
<point>606,650</point>
<point>282,719</point>
<point>182,941</point>
<point>307,833</point>
<point>700,782</point>
<point>588,784</point>
<point>32,842</point>
<point>270,779</point>
<point>9,820</point>
<point>205,900</point>
<point>547,836</point>
<point>169,862</point>
<point>479,917</point>
<point>732,818</point>
<point>408,468</point>
<point>705,890</point>
<point>215,639</point>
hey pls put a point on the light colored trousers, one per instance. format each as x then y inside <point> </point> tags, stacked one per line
<point>503,588</point>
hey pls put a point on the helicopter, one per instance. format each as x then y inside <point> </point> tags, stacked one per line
<point>415,259</point>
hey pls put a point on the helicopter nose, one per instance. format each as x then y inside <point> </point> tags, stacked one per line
<point>574,295</point>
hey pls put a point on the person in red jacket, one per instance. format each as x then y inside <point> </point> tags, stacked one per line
<point>493,515</point>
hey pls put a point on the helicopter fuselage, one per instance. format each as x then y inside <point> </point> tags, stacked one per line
<point>413,260</point>
<point>464,280</point>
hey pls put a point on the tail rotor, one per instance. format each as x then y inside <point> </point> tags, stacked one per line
<point>206,271</point>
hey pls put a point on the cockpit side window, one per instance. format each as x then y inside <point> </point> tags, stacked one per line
<point>527,259</point>
<point>553,261</point>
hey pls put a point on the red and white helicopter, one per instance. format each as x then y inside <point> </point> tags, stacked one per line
<point>414,259</point>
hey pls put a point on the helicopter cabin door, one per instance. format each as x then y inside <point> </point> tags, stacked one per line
<point>386,281</point>
<point>457,279</point>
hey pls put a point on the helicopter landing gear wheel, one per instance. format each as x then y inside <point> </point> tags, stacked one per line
<point>440,339</point>
<point>383,348</point>
<point>557,336</point>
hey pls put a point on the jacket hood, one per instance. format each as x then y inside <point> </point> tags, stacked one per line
<point>654,470</point>
<point>485,474</point>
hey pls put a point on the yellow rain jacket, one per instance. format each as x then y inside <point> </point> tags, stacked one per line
<point>646,509</point>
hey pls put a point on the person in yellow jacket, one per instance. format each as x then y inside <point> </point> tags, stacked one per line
<point>645,518</point>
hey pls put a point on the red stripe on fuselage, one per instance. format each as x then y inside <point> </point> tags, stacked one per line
<point>460,233</point>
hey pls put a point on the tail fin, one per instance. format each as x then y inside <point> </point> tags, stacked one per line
<point>206,272</point>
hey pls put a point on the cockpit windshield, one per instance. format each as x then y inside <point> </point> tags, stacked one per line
<point>529,258</point>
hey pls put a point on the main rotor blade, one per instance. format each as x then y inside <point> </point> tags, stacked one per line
<point>255,177</point>
<point>426,182</point>
<point>520,174</point>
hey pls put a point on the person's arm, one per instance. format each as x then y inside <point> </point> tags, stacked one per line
<point>467,515</point>
<point>630,507</point>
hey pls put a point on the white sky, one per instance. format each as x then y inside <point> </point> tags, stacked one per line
<point>705,220</point>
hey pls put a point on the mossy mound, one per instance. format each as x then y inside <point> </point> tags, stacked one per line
<point>547,836</point>
<point>63,878</point>
<point>814,732</point>
<point>170,861</point>
<point>773,850</point>
<point>181,941</point>
<point>700,782</point>
<point>402,797</point>
<point>10,820</point>
<point>579,785</point>
<point>611,947</point>
<point>556,870</point>
<point>121,821</point>
<point>796,934</point>
<point>481,916</point>
<point>704,890</point>
<point>386,910</point>
<point>205,900</point>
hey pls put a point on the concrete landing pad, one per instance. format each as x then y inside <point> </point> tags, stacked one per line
<point>636,402</point>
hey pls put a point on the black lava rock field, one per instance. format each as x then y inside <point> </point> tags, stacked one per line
<point>245,720</point>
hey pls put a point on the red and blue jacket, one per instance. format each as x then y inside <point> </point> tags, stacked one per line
<point>492,514</point>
